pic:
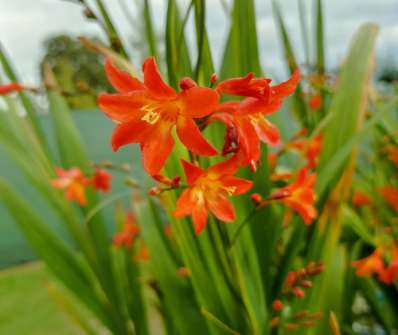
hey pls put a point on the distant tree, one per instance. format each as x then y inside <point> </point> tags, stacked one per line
<point>79,71</point>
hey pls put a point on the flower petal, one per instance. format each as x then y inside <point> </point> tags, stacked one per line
<point>222,208</point>
<point>199,101</point>
<point>154,82</point>
<point>267,132</point>
<point>121,80</point>
<point>190,135</point>
<point>157,147</point>
<point>192,172</point>
<point>248,139</point>
<point>199,218</point>
<point>184,204</point>
<point>122,107</point>
<point>133,131</point>
<point>240,185</point>
<point>288,87</point>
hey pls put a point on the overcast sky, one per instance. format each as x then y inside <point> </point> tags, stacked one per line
<point>25,24</point>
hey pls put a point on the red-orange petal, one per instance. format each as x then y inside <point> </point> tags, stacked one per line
<point>222,208</point>
<point>122,81</point>
<point>154,82</point>
<point>199,218</point>
<point>133,131</point>
<point>9,88</point>
<point>199,101</point>
<point>240,185</point>
<point>267,132</point>
<point>184,204</point>
<point>190,135</point>
<point>288,87</point>
<point>248,139</point>
<point>122,107</point>
<point>192,172</point>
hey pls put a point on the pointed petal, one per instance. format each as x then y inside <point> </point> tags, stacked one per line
<point>133,131</point>
<point>222,208</point>
<point>232,86</point>
<point>122,81</point>
<point>288,87</point>
<point>154,82</point>
<point>192,172</point>
<point>248,139</point>
<point>267,132</point>
<point>239,185</point>
<point>157,147</point>
<point>190,135</point>
<point>122,107</point>
<point>199,101</point>
<point>223,117</point>
<point>228,166</point>
<point>199,218</point>
<point>184,204</point>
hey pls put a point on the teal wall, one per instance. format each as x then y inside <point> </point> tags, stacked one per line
<point>96,131</point>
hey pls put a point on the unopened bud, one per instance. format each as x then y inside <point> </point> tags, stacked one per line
<point>125,168</point>
<point>306,284</point>
<point>308,323</point>
<point>298,292</point>
<point>334,324</point>
<point>277,305</point>
<point>275,321</point>
<point>301,315</point>
<point>131,182</point>
<point>256,198</point>
<point>291,326</point>
<point>88,13</point>
<point>106,164</point>
<point>183,272</point>
<point>187,83</point>
<point>155,191</point>
<point>213,78</point>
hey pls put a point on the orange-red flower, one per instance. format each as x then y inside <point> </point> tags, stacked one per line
<point>310,148</point>
<point>102,180</point>
<point>208,190</point>
<point>126,237</point>
<point>245,121</point>
<point>370,264</point>
<point>73,182</point>
<point>9,88</point>
<point>390,194</point>
<point>361,199</point>
<point>300,195</point>
<point>146,113</point>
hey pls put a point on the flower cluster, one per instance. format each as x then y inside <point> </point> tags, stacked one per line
<point>148,111</point>
<point>74,183</point>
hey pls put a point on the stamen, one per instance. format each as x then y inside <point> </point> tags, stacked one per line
<point>230,189</point>
<point>151,116</point>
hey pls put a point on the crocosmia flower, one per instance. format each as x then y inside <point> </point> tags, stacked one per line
<point>310,148</point>
<point>208,190</point>
<point>147,111</point>
<point>370,264</point>
<point>390,194</point>
<point>102,180</point>
<point>360,199</point>
<point>73,182</point>
<point>126,237</point>
<point>9,88</point>
<point>300,195</point>
<point>245,120</point>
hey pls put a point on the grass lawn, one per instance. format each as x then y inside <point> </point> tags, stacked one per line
<point>26,305</point>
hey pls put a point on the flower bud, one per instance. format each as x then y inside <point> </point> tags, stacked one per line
<point>213,78</point>
<point>256,198</point>
<point>298,292</point>
<point>155,191</point>
<point>277,305</point>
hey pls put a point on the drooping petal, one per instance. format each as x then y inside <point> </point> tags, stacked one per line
<point>236,185</point>
<point>184,204</point>
<point>230,86</point>
<point>307,212</point>
<point>192,172</point>
<point>122,107</point>
<point>198,101</point>
<point>222,208</point>
<point>190,135</point>
<point>157,147</point>
<point>133,131</point>
<point>122,81</point>
<point>187,83</point>
<point>248,139</point>
<point>199,218</point>
<point>267,132</point>
<point>154,82</point>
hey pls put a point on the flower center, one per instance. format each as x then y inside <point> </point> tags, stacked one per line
<point>151,114</point>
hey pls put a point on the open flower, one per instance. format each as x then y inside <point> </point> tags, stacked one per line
<point>129,232</point>
<point>360,199</point>
<point>147,111</point>
<point>310,149</point>
<point>9,88</point>
<point>102,180</point>
<point>245,120</point>
<point>300,195</point>
<point>370,264</point>
<point>73,182</point>
<point>208,190</point>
